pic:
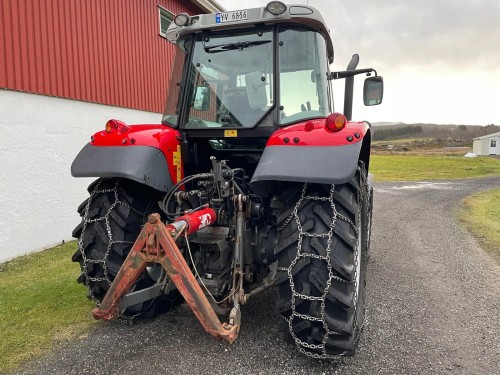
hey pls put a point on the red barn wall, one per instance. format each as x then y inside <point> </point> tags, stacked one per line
<point>102,51</point>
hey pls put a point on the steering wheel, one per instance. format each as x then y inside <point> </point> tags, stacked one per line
<point>196,122</point>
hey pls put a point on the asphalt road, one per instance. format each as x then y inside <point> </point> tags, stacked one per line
<point>433,306</point>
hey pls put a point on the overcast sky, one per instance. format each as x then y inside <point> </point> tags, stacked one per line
<point>440,59</point>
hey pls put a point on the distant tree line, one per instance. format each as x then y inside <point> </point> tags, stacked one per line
<point>397,132</point>
<point>458,133</point>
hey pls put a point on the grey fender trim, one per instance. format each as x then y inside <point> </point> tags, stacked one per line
<point>323,165</point>
<point>143,164</point>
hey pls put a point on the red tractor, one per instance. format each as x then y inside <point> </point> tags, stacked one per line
<point>251,181</point>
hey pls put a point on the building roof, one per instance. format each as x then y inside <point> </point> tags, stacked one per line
<point>488,136</point>
<point>210,6</point>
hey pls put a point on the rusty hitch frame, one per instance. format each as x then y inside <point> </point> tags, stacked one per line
<point>155,244</point>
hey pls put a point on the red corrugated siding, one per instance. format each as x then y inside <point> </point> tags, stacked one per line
<point>107,52</point>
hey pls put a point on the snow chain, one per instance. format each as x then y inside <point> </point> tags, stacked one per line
<point>301,345</point>
<point>111,242</point>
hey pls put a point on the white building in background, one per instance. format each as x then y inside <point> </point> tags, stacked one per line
<point>487,144</point>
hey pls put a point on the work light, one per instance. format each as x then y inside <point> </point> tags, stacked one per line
<point>276,8</point>
<point>182,19</point>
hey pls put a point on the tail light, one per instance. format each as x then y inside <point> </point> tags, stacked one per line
<point>309,126</point>
<point>335,122</point>
<point>116,124</point>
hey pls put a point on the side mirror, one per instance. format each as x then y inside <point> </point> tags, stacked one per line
<point>201,98</point>
<point>373,90</point>
<point>256,89</point>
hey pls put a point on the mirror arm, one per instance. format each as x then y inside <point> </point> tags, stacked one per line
<point>351,73</point>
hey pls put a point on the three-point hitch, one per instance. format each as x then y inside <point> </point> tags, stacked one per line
<point>157,244</point>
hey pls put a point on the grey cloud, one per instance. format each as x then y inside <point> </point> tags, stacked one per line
<point>397,33</point>
<point>400,33</point>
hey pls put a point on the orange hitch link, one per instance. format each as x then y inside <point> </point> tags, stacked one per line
<point>156,244</point>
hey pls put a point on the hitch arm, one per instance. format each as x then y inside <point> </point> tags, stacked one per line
<point>156,245</point>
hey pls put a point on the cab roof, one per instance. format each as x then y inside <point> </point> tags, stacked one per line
<point>301,15</point>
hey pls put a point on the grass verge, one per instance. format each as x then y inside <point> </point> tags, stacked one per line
<point>41,304</point>
<point>481,215</point>
<point>417,168</point>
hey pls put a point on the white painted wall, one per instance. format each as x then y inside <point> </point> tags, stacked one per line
<point>41,137</point>
<point>477,147</point>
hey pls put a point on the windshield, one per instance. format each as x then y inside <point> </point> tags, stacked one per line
<point>230,79</point>
<point>303,79</point>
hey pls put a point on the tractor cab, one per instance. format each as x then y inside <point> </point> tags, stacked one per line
<point>240,76</point>
<point>248,72</point>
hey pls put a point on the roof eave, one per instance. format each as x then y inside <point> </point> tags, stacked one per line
<point>209,6</point>
<point>487,136</point>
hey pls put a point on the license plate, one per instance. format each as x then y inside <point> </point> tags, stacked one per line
<point>238,15</point>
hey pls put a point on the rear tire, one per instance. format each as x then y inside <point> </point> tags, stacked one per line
<point>321,287</point>
<point>112,218</point>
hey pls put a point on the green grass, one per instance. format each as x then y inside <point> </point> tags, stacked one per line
<point>40,304</point>
<point>481,215</point>
<point>417,168</point>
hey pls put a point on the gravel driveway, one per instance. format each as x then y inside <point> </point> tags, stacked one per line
<point>433,306</point>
